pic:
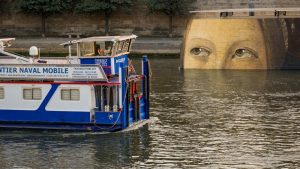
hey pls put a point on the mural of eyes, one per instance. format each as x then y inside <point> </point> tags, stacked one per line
<point>244,53</point>
<point>200,52</point>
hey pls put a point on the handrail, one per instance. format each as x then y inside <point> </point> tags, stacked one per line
<point>6,43</point>
<point>15,56</point>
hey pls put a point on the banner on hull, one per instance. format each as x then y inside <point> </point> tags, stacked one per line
<point>53,72</point>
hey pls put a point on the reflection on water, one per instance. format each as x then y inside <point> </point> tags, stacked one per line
<point>208,119</point>
<point>34,149</point>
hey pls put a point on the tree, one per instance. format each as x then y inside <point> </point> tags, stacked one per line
<point>105,7</point>
<point>170,8</point>
<point>3,7</point>
<point>45,8</point>
<point>7,7</point>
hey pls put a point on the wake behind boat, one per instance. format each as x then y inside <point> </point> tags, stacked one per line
<point>98,89</point>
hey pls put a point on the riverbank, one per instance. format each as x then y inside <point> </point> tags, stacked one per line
<point>49,46</point>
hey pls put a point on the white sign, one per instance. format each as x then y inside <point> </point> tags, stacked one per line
<point>53,72</point>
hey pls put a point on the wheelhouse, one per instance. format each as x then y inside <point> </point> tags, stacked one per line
<point>108,51</point>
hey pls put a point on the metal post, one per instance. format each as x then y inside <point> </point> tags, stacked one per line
<point>122,78</point>
<point>146,85</point>
<point>131,103</point>
<point>70,49</point>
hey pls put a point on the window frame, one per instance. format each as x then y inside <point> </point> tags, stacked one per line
<point>32,93</point>
<point>3,96</point>
<point>70,94</point>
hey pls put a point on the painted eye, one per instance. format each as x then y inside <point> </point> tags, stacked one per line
<point>244,53</point>
<point>202,52</point>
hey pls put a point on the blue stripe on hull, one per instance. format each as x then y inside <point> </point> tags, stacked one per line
<point>65,127</point>
<point>108,118</point>
<point>48,97</point>
<point>44,116</point>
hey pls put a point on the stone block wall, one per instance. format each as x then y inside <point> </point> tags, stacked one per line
<point>139,21</point>
<point>229,4</point>
<point>143,24</point>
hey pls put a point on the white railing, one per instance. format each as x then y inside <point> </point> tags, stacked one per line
<point>7,43</point>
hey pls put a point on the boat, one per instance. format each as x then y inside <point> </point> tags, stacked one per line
<point>96,90</point>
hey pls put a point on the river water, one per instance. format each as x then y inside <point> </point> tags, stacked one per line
<point>199,119</point>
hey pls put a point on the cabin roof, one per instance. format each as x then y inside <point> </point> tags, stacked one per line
<point>101,39</point>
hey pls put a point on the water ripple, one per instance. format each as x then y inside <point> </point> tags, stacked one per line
<point>206,119</point>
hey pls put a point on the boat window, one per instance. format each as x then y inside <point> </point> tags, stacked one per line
<point>126,46</point>
<point>70,94</point>
<point>103,48</point>
<point>32,94</point>
<point>123,46</point>
<point>120,47</point>
<point>87,49</point>
<point>1,93</point>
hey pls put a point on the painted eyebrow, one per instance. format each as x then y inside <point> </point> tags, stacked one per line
<point>242,44</point>
<point>200,39</point>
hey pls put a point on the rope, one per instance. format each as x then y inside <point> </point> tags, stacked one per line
<point>127,86</point>
<point>150,70</point>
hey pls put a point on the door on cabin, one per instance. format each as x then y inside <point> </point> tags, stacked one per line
<point>107,98</point>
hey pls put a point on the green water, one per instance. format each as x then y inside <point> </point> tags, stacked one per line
<point>200,119</point>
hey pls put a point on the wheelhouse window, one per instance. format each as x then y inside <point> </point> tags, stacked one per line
<point>70,94</point>
<point>103,48</point>
<point>99,48</point>
<point>123,46</point>
<point>32,94</point>
<point>126,45</point>
<point>87,49</point>
<point>1,93</point>
<point>120,47</point>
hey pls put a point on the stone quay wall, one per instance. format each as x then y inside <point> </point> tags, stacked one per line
<point>139,21</point>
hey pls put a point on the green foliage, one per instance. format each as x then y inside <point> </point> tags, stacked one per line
<point>3,6</point>
<point>103,6</point>
<point>168,7</point>
<point>45,7</point>
<point>106,7</point>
